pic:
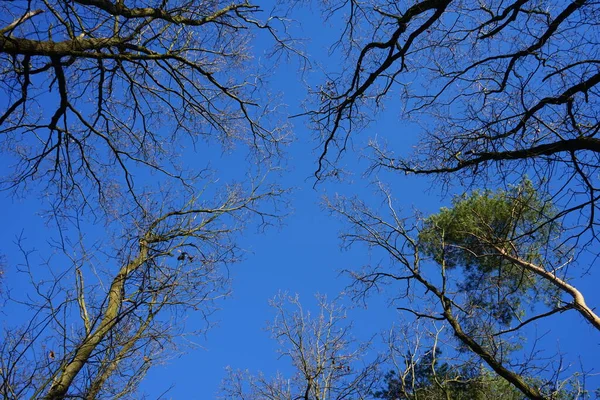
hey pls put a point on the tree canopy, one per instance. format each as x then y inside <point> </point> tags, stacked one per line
<point>152,137</point>
<point>97,89</point>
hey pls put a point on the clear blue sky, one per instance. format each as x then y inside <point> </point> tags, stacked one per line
<point>303,256</point>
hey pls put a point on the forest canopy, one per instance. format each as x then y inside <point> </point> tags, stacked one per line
<point>151,148</point>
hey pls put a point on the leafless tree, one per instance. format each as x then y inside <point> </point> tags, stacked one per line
<point>94,90</point>
<point>97,326</point>
<point>498,90</point>
<point>416,368</point>
<point>483,278</point>
<point>425,366</point>
<point>328,363</point>
<point>97,96</point>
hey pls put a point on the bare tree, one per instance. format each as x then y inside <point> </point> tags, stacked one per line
<point>328,363</point>
<point>412,356</point>
<point>425,366</point>
<point>94,90</point>
<point>97,328</point>
<point>498,89</point>
<point>475,268</point>
<point>100,100</point>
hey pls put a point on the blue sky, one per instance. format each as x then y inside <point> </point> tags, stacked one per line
<point>302,256</point>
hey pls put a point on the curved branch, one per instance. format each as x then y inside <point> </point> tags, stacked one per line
<point>569,145</point>
<point>578,300</point>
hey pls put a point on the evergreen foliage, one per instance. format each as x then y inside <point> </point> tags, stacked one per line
<point>475,232</point>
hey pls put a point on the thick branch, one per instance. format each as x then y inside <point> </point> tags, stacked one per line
<point>578,299</point>
<point>19,21</point>
<point>569,145</point>
<point>20,46</point>
<point>510,376</point>
<point>119,9</point>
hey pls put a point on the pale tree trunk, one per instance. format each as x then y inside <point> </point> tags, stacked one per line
<point>578,300</point>
<point>61,385</point>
